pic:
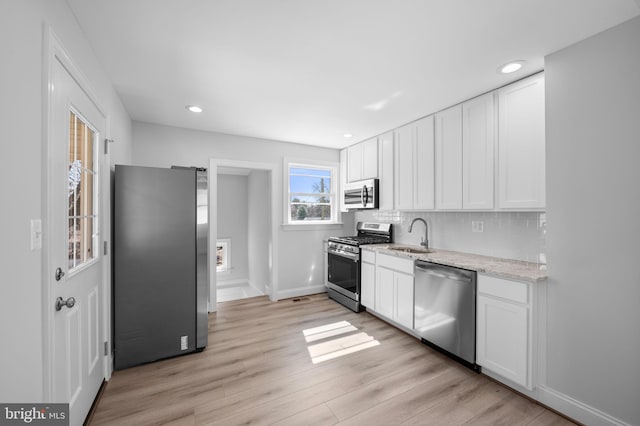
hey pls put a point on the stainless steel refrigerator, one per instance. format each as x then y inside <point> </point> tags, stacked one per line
<point>160,267</point>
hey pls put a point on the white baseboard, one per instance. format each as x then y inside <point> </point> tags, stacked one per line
<point>575,409</point>
<point>300,291</point>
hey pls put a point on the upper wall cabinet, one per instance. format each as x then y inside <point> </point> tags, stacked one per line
<point>413,165</point>
<point>385,171</point>
<point>478,141</point>
<point>521,145</point>
<point>362,160</point>
<point>448,153</point>
<point>343,178</point>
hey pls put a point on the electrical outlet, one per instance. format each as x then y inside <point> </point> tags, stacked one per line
<point>477,226</point>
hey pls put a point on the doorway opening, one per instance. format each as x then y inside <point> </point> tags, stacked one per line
<point>243,230</point>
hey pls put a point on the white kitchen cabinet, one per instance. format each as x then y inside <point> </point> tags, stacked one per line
<point>504,328</point>
<point>448,159</point>
<point>394,289</point>
<point>521,145</point>
<point>368,279</point>
<point>343,178</point>
<point>478,142</point>
<point>385,290</point>
<point>404,302</point>
<point>385,171</point>
<point>362,160</point>
<point>413,165</point>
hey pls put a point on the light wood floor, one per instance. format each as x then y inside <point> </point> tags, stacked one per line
<point>259,369</point>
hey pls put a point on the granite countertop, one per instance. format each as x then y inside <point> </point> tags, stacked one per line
<point>503,268</point>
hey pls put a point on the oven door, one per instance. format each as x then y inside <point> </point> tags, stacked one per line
<point>344,274</point>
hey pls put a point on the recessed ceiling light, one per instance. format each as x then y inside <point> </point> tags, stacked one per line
<point>193,108</point>
<point>348,135</point>
<point>510,67</point>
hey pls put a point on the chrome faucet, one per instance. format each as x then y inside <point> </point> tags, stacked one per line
<point>425,241</point>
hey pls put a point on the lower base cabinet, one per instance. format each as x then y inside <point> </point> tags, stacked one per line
<point>504,328</point>
<point>367,285</point>
<point>394,289</point>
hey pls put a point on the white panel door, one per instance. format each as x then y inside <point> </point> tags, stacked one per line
<point>385,171</point>
<point>76,260</point>
<point>449,158</point>
<point>424,173</point>
<point>404,164</point>
<point>385,293</point>
<point>404,299</point>
<point>354,165</point>
<point>367,285</point>
<point>478,139</point>
<point>521,144</point>
<point>370,159</point>
<point>502,340</point>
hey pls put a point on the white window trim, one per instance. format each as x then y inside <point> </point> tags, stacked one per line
<point>290,225</point>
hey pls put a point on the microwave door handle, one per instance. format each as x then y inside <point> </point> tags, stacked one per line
<point>362,195</point>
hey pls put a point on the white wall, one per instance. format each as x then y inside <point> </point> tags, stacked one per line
<point>593,242</point>
<point>300,255</point>
<point>259,230</point>
<point>21,177</point>
<point>233,218</point>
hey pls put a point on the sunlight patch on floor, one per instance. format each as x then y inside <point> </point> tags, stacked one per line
<point>338,346</point>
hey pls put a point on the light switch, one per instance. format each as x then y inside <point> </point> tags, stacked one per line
<point>36,234</point>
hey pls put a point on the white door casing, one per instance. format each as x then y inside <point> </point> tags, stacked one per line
<point>74,361</point>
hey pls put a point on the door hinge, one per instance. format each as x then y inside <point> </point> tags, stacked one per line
<point>106,348</point>
<point>106,248</point>
<point>106,145</point>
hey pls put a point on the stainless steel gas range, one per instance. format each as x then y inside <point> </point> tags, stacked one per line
<point>343,256</point>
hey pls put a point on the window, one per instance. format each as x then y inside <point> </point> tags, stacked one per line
<point>223,255</point>
<point>311,194</point>
<point>82,193</point>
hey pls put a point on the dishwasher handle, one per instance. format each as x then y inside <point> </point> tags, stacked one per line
<point>437,272</point>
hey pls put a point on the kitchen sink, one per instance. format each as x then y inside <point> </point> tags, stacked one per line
<point>411,250</point>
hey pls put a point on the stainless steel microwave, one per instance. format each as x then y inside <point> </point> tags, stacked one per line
<point>362,194</point>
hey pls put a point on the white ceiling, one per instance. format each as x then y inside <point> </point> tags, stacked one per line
<point>308,71</point>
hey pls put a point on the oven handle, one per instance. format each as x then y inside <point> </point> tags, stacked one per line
<point>348,255</point>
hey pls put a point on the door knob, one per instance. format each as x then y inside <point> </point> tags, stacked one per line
<point>59,274</point>
<point>69,303</point>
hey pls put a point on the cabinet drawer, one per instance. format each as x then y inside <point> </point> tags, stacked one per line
<point>368,256</point>
<point>395,263</point>
<point>514,291</point>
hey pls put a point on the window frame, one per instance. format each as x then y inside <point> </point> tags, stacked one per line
<point>96,192</point>
<point>334,198</point>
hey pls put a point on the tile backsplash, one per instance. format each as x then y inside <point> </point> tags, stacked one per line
<point>510,235</point>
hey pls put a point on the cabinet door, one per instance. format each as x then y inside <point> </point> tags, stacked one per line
<point>478,124</point>
<point>343,178</point>
<point>370,159</point>
<point>502,339</point>
<point>404,299</point>
<point>385,171</point>
<point>424,175</point>
<point>384,292</point>
<point>367,285</point>
<point>449,158</point>
<point>404,167</point>
<point>354,162</point>
<point>521,144</point>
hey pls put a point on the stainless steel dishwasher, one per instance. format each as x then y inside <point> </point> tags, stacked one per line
<point>445,310</point>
